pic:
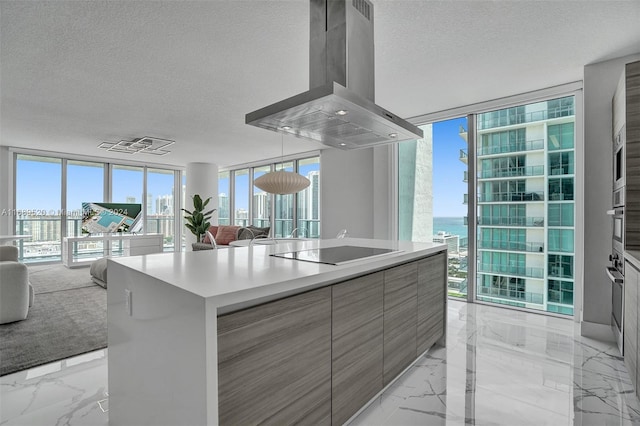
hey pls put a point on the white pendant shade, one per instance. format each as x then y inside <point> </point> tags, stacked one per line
<point>281,182</point>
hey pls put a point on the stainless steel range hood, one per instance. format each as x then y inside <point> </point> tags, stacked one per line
<point>339,109</point>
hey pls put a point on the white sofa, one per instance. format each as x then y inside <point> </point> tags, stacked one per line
<point>16,293</point>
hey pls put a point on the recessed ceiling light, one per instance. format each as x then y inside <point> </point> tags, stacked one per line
<point>286,127</point>
<point>343,144</point>
<point>393,135</point>
<point>342,112</point>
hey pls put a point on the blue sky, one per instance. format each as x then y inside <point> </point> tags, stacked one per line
<point>448,170</point>
<point>38,185</point>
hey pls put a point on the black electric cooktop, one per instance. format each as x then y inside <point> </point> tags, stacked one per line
<point>335,255</point>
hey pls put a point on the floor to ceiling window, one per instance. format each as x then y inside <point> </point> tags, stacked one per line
<point>160,205</point>
<point>286,214</point>
<point>284,208</point>
<point>526,205</point>
<point>309,199</point>
<point>85,184</point>
<point>261,200</point>
<point>50,192</point>
<point>432,194</point>
<point>39,207</point>
<point>223,198</point>
<point>241,197</point>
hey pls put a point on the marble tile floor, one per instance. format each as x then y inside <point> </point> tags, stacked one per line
<point>500,367</point>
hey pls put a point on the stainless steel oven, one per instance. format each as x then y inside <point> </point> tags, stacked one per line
<point>615,272</point>
<point>617,229</point>
<point>619,152</point>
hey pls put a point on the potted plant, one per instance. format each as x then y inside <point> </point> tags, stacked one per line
<point>198,220</point>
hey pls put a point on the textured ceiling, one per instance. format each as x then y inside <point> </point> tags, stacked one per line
<point>76,73</point>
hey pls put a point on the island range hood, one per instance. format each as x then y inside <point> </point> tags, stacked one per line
<point>339,108</point>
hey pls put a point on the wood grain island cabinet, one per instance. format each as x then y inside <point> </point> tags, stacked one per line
<point>319,344</point>
<point>318,357</point>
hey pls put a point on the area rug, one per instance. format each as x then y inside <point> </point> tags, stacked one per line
<point>68,318</point>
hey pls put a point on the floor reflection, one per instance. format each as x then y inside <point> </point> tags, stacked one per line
<point>504,367</point>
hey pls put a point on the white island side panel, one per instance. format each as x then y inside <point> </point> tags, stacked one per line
<point>161,355</point>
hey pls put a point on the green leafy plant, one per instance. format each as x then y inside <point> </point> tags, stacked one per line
<point>198,220</point>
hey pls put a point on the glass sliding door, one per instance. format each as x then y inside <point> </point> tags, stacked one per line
<point>283,208</point>
<point>432,194</point>
<point>127,186</point>
<point>85,184</point>
<point>309,199</point>
<point>160,205</point>
<point>241,197</point>
<point>223,198</point>
<point>525,245</point>
<point>39,207</point>
<point>261,200</point>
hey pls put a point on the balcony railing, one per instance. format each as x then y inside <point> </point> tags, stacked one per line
<point>512,246</point>
<point>511,221</point>
<point>518,146</point>
<point>522,296</point>
<point>521,271</point>
<point>560,196</point>
<point>485,122</point>
<point>497,197</point>
<point>465,176</point>
<point>465,199</point>
<point>45,243</point>
<point>464,157</point>
<point>512,172</point>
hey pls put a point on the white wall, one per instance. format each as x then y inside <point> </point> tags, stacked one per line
<point>347,192</point>
<point>6,191</point>
<point>202,179</point>
<point>600,81</point>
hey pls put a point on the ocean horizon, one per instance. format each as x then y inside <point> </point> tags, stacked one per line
<point>451,225</point>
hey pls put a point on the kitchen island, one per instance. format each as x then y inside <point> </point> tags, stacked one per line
<point>239,336</point>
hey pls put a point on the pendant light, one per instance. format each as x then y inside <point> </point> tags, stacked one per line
<point>281,182</point>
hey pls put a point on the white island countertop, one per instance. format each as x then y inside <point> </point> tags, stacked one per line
<point>237,275</point>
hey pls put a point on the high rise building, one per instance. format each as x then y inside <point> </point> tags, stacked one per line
<point>164,204</point>
<point>261,208</point>
<point>223,209</point>
<point>526,205</point>
<point>415,188</point>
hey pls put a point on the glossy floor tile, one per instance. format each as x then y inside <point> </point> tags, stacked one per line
<point>505,367</point>
<point>500,367</point>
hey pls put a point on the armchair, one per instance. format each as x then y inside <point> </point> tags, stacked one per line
<point>16,293</point>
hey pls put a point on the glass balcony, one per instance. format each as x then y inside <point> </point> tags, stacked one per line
<point>45,244</point>
<point>512,172</point>
<point>520,271</point>
<point>465,176</point>
<point>465,199</point>
<point>464,157</point>
<point>497,197</point>
<point>512,246</point>
<point>511,221</point>
<point>463,133</point>
<point>519,146</point>
<point>511,294</point>
<point>486,121</point>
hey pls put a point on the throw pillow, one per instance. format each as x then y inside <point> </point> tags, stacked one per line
<point>214,231</point>
<point>259,232</point>
<point>226,234</point>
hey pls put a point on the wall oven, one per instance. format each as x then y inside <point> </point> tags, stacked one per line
<point>615,273</point>
<point>619,161</point>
